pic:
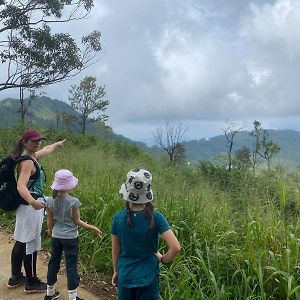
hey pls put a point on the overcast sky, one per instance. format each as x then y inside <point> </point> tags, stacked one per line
<point>197,62</point>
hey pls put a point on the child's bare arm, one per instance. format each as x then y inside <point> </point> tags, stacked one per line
<point>50,220</point>
<point>116,248</point>
<point>80,223</point>
<point>173,247</point>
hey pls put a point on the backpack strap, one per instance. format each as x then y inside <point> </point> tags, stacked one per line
<point>36,175</point>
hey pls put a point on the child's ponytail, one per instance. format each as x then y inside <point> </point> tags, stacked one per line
<point>54,194</point>
<point>148,211</point>
<point>149,214</point>
<point>129,215</point>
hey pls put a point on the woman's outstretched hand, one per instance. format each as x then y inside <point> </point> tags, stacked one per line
<point>60,143</point>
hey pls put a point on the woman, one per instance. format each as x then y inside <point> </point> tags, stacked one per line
<point>29,217</point>
<point>135,232</point>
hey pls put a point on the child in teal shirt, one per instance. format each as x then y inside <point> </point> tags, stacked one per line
<point>135,232</point>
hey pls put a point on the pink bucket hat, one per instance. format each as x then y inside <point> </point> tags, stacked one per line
<point>64,180</point>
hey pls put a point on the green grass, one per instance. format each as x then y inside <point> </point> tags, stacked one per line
<point>239,233</point>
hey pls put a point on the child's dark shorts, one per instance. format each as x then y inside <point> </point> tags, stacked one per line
<point>148,292</point>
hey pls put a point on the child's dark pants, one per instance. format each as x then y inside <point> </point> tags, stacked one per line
<point>71,249</point>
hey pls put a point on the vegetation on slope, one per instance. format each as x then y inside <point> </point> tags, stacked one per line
<point>239,232</point>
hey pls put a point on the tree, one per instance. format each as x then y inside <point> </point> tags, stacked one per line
<point>25,104</point>
<point>170,139</point>
<point>230,131</point>
<point>68,120</point>
<point>263,146</point>
<point>65,121</point>
<point>58,119</point>
<point>269,149</point>
<point>23,108</point>
<point>87,98</point>
<point>34,56</point>
<point>256,134</point>
<point>243,157</point>
<point>102,130</point>
<point>179,154</point>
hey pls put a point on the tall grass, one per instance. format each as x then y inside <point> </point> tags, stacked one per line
<point>239,236</point>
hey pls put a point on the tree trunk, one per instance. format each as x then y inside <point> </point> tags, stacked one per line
<point>83,128</point>
<point>170,157</point>
<point>22,106</point>
<point>254,156</point>
<point>253,167</point>
<point>269,164</point>
<point>229,156</point>
<point>57,121</point>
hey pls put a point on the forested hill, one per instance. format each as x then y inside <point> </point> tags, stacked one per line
<point>208,149</point>
<point>52,113</point>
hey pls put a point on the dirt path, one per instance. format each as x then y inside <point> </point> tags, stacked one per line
<point>6,245</point>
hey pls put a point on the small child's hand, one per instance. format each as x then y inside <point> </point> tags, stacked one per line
<point>98,232</point>
<point>158,255</point>
<point>114,279</point>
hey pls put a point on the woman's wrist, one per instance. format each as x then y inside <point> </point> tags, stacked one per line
<point>31,201</point>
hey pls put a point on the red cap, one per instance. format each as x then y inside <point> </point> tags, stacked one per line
<point>32,134</point>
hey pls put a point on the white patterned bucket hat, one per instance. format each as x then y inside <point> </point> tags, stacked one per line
<point>137,188</point>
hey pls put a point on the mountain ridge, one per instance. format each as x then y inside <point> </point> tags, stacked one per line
<point>47,113</point>
<point>208,148</point>
<point>44,113</point>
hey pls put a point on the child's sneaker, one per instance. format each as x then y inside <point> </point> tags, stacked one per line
<point>15,281</point>
<point>36,286</point>
<point>55,296</point>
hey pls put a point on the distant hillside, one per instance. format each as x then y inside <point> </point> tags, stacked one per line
<point>44,111</point>
<point>208,149</point>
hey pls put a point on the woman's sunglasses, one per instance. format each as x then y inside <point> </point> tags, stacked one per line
<point>36,141</point>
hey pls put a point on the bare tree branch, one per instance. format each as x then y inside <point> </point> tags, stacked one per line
<point>230,130</point>
<point>169,138</point>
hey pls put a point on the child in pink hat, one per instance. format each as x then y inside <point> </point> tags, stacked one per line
<point>63,220</point>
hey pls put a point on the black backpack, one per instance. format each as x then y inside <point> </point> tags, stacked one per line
<point>10,198</point>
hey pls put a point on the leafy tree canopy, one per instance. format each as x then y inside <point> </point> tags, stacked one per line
<point>34,56</point>
<point>88,98</point>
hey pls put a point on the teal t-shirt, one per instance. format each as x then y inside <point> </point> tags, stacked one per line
<point>38,186</point>
<point>137,264</point>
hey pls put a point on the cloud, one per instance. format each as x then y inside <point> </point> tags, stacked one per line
<point>271,34</point>
<point>199,62</point>
<point>275,25</point>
